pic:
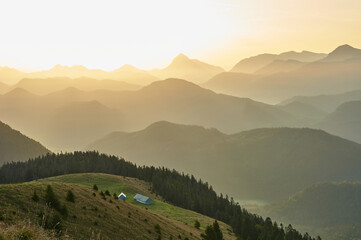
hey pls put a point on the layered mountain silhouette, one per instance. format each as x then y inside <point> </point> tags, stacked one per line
<point>190,69</point>
<point>181,67</point>
<point>3,87</point>
<point>337,114</point>
<point>329,209</point>
<point>10,75</point>
<point>315,78</point>
<point>345,121</point>
<point>256,63</point>
<point>125,74</point>
<point>280,66</point>
<point>75,123</point>
<point>14,146</point>
<point>307,112</point>
<point>328,103</point>
<point>173,100</point>
<point>268,164</point>
<point>48,85</point>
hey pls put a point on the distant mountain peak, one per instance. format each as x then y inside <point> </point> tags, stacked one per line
<point>20,92</point>
<point>59,67</point>
<point>181,56</point>
<point>78,67</point>
<point>127,67</point>
<point>181,59</point>
<point>342,53</point>
<point>344,48</point>
<point>172,83</point>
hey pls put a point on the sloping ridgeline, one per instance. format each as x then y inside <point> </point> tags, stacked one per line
<point>179,189</point>
<point>14,146</point>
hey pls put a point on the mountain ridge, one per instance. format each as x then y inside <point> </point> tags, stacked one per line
<point>14,146</point>
<point>267,151</point>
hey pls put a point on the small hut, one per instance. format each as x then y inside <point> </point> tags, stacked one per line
<point>143,199</point>
<point>122,196</point>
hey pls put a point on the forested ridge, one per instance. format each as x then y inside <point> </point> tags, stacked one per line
<point>179,189</point>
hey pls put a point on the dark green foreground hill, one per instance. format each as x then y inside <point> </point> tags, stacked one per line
<point>262,164</point>
<point>14,146</point>
<point>178,189</point>
<point>330,209</point>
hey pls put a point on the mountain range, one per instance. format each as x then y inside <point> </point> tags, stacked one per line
<point>327,103</point>
<point>256,63</point>
<point>42,86</point>
<point>172,100</point>
<point>125,74</point>
<point>192,70</point>
<point>338,72</point>
<point>181,67</point>
<point>264,164</point>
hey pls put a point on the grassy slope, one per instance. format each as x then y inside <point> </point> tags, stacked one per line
<point>84,222</point>
<point>131,186</point>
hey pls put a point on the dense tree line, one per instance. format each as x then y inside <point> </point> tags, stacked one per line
<point>179,189</point>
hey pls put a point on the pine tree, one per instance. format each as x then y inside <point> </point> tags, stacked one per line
<point>51,199</point>
<point>212,232</point>
<point>70,196</point>
<point>217,230</point>
<point>35,197</point>
<point>197,224</point>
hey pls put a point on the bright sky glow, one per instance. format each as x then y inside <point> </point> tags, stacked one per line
<point>107,34</point>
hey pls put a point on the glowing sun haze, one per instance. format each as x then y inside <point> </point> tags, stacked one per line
<point>148,34</point>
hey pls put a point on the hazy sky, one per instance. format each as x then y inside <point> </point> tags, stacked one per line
<point>106,34</point>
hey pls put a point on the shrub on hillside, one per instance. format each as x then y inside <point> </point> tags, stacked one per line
<point>35,196</point>
<point>70,196</point>
<point>197,224</point>
<point>51,199</point>
<point>64,210</point>
<point>157,228</point>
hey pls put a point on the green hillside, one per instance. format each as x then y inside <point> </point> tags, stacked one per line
<point>261,164</point>
<point>181,190</point>
<point>90,217</point>
<point>132,186</point>
<point>14,146</point>
<point>330,209</point>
